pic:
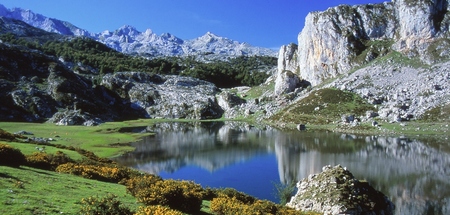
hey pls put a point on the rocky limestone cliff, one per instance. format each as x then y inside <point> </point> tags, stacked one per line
<point>334,41</point>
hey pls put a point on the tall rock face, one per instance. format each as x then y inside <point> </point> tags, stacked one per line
<point>334,41</point>
<point>287,79</point>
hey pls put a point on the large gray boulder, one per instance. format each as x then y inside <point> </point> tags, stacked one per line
<point>286,82</point>
<point>229,100</point>
<point>336,191</point>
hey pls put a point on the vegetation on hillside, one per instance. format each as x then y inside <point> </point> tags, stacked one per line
<point>87,54</point>
<point>240,71</point>
<point>323,107</point>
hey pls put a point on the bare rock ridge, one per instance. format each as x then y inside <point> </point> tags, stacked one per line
<point>336,40</point>
<point>336,191</point>
<point>129,40</point>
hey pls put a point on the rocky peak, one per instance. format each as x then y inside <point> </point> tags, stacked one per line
<point>129,40</point>
<point>42,22</point>
<point>210,38</point>
<point>127,30</point>
<point>172,38</point>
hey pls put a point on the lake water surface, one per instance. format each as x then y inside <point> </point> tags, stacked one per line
<point>414,174</point>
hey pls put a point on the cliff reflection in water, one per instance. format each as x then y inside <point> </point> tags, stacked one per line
<point>413,174</point>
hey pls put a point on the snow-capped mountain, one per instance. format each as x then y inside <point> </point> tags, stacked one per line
<point>129,40</point>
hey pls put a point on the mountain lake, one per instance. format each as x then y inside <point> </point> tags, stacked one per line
<point>413,173</point>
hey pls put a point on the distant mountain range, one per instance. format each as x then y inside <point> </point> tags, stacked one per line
<point>129,40</point>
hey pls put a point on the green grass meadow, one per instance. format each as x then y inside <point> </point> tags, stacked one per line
<point>104,140</point>
<point>27,190</point>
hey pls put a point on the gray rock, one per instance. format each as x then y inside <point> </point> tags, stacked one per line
<point>301,127</point>
<point>172,97</point>
<point>73,117</point>
<point>336,191</point>
<point>286,82</point>
<point>375,123</point>
<point>24,133</point>
<point>227,100</point>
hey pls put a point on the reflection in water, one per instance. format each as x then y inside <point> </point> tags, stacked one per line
<point>413,174</point>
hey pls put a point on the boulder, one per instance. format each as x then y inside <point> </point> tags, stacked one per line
<point>336,191</point>
<point>301,127</point>
<point>227,100</point>
<point>286,82</point>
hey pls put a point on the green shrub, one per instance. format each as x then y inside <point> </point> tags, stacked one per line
<point>46,161</point>
<point>10,156</point>
<point>285,191</point>
<point>108,205</point>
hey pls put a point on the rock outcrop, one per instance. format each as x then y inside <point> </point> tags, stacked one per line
<point>39,87</point>
<point>334,41</point>
<point>165,96</point>
<point>336,191</point>
<point>401,93</point>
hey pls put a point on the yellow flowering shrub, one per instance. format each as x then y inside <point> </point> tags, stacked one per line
<point>233,193</point>
<point>184,196</point>
<point>46,161</point>
<point>137,185</point>
<point>100,173</point>
<point>10,156</point>
<point>223,205</point>
<point>157,210</point>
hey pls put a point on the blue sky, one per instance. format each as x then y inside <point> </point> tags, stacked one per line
<point>266,23</point>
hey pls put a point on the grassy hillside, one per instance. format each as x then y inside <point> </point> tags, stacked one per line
<point>323,107</point>
<point>104,140</point>
<point>27,190</point>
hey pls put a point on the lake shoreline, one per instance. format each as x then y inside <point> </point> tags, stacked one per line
<point>120,139</point>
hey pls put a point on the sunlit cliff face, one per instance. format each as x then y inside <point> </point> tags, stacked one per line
<point>334,41</point>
